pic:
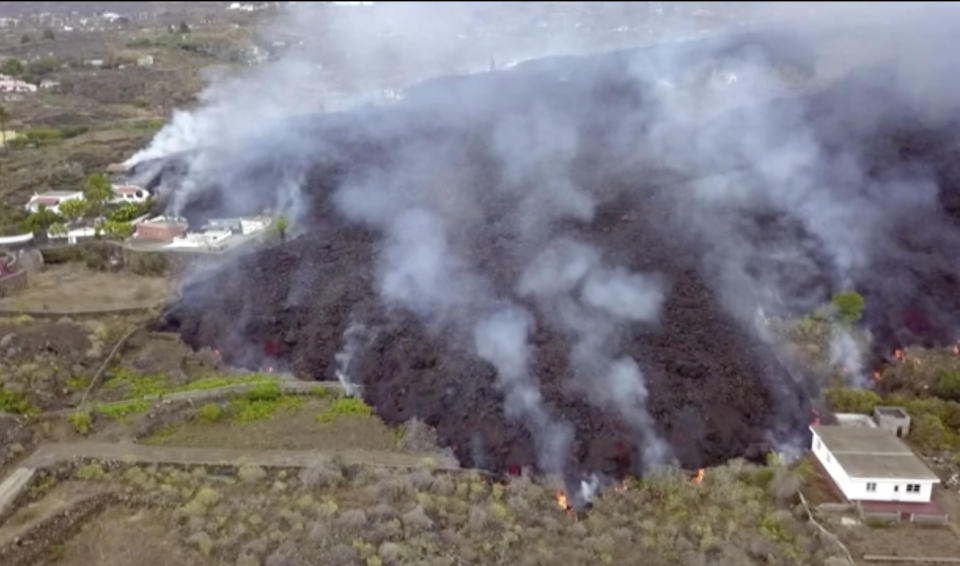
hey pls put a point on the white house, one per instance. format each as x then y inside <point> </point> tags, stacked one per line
<point>52,200</point>
<point>869,463</point>
<point>129,193</point>
<point>10,84</point>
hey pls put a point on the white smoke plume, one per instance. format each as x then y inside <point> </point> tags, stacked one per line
<point>845,354</point>
<point>354,338</point>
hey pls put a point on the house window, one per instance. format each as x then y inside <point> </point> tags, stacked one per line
<point>913,488</point>
<point>871,487</point>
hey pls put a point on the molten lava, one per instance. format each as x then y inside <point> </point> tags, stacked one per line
<point>621,487</point>
<point>956,348</point>
<point>876,375</point>
<point>562,501</point>
<point>898,355</point>
<point>698,477</point>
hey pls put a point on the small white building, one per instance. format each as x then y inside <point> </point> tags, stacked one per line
<point>868,463</point>
<point>145,61</point>
<point>129,193</point>
<point>10,84</point>
<point>52,200</point>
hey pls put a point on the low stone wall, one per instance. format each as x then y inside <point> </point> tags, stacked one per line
<point>836,507</point>
<point>13,283</point>
<point>935,520</point>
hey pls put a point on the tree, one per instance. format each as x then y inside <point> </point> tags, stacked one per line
<point>40,221</point>
<point>13,67</point>
<point>184,28</point>
<point>57,228</point>
<point>97,190</point>
<point>43,66</point>
<point>280,225</point>
<point>928,434</point>
<point>948,385</point>
<point>113,230</point>
<point>4,116</point>
<point>74,209</point>
<point>48,34</point>
<point>25,38</point>
<point>848,306</point>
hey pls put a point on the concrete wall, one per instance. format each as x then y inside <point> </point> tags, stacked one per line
<point>887,490</point>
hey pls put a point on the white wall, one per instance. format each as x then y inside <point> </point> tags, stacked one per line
<point>856,488</point>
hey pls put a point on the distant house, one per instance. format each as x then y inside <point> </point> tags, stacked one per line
<point>10,84</point>
<point>145,61</point>
<point>161,228</point>
<point>129,193</point>
<point>246,225</point>
<point>870,464</point>
<point>47,84</point>
<point>52,200</point>
<point>94,62</point>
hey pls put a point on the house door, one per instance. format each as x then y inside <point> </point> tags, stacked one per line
<point>899,432</point>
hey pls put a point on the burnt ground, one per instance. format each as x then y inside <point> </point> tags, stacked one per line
<point>716,390</point>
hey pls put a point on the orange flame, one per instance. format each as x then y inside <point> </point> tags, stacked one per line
<point>898,354</point>
<point>876,375</point>
<point>562,501</point>
<point>621,487</point>
<point>956,348</point>
<point>698,477</point>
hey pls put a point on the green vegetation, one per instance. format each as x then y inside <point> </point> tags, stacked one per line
<point>16,403</point>
<point>948,385</point>
<point>343,406</point>
<point>318,391</point>
<point>113,230</point>
<point>57,229</point>
<point>97,190</point>
<point>151,124</point>
<point>847,400</point>
<point>77,382</point>
<point>848,306</point>
<point>74,209</point>
<point>48,34</point>
<point>25,38</point>
<point>127,211</point>
<point>80,421</point>
<point>280,226</point>
<point>40,221</point>
<point>37,137</point>
<point>92,471</point>
<point>121,410</point>
<point>260,402</point>
<point>13,67</point>
<point>935,424</point>
<point>210,412</point>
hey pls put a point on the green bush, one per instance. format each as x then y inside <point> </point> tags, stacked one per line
<point>113,230</point>
<point>266,391</point>
<point>92,471</point>
<point>121,410</point>
<point>68,132</point>
<point>848,306</point>
<point>16,403</point>
<point>80,421</point>
<point>13,67</point>
<point>209,413</point>
<point>928,433</point>
<point>127,211</point>
<point>342,407</point>
<point>245,409</point>
<point>847,400</point>
<point>948,385</point>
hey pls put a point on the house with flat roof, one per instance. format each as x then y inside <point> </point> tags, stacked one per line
<point>869,463</point>
<point>51,200</point>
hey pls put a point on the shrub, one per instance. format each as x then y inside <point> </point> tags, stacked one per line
<point>16,403</point>
<point>948,385</point>
<point>266,391</point>
<point>251,473</point>
<point>77,382</point>
<point>127,211</point>
<point>48,34</point>
<point>120,411</point>
<point>848,306</point>
<point>80,421</point>
<point>92,471</point>
<point>210,413</point>
<point>341,407</point>
<point>114,230</point>
<point>928,433</point>
<point>847,400</point>
<point>13,66</point>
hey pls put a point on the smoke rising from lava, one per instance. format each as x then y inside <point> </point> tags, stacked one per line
<point>483,218</point>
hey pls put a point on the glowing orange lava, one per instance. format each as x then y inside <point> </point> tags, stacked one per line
<point>956,348</point>
<point>562,501</point>
<point>698,477</point>
<point>621,487</point>
<point>876,375</point>
<point>898,354</point>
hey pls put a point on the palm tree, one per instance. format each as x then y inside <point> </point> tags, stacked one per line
<point>4,116</point>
